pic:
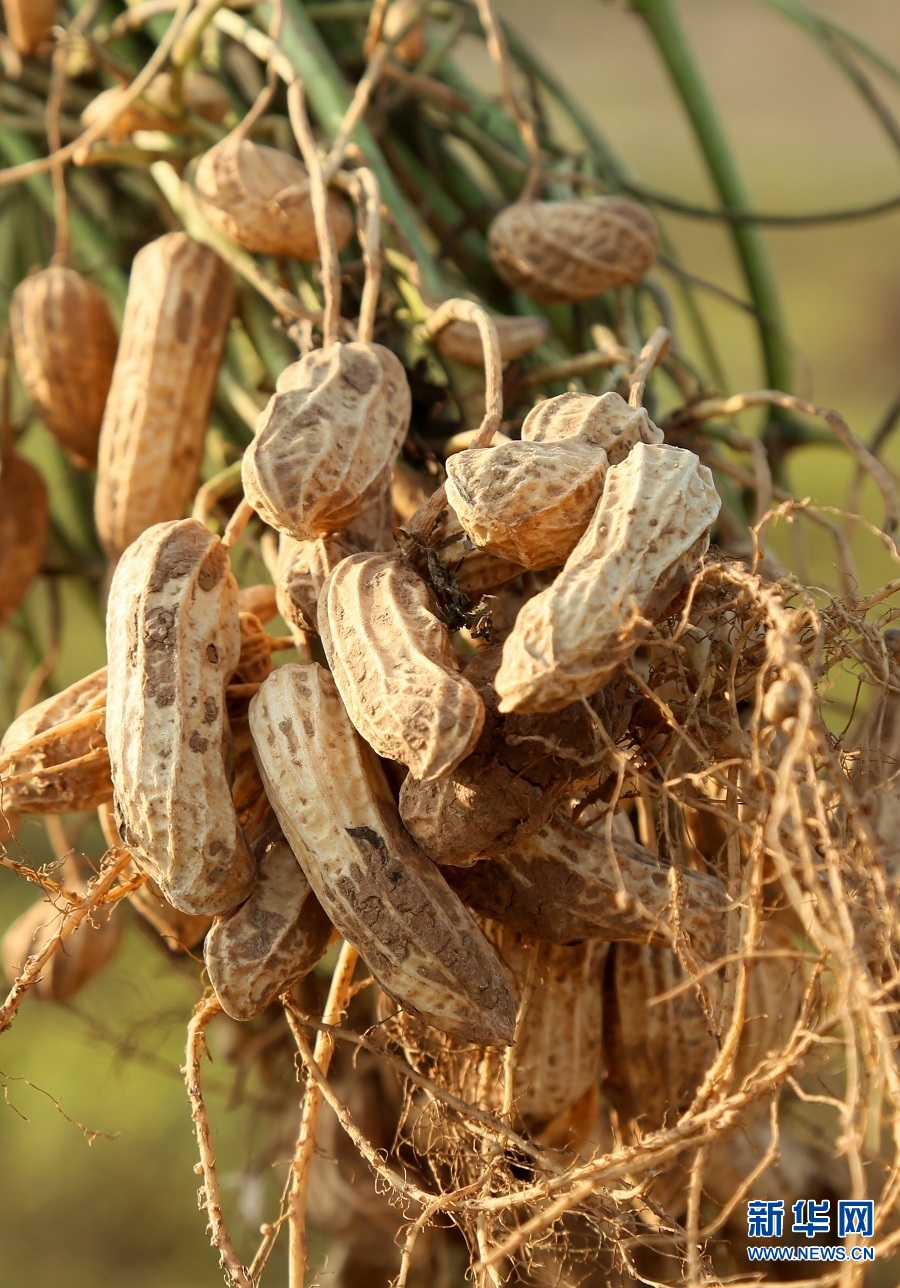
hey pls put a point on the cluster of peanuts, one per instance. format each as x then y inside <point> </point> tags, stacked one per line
<point>421,794</point>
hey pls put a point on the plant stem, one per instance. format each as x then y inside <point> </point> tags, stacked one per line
<point>662,22</point>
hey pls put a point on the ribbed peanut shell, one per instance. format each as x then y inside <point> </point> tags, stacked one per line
<point>379,890</point>
<point>566,251</point>
<point>28,23</point>
<point>520,770</point>
<point>393,663</point>
<point>325,445</point>
<point>301,571</point>
<point>606,421</point>
<point>173,641</point>
<point>656,1051</point>
<point>563,884</point>
<point>643,544</point>
<point>461,342</point>
<point>54,758</point>
<point>65,347</point>
<point>179,931</point>
<point>156,108</point>
<point>260,198</point>
<point>81,958</point>
<point>528,503</point>
<point>151,443</point>
<point>24,528</point>
<point>273,939</point>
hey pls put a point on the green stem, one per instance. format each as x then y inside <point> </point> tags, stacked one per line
<point>662,22</point>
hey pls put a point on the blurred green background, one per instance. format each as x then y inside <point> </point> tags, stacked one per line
<point>120,1210</point>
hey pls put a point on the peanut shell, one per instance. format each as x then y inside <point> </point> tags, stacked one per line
<point>460,341</point>
<point>643,544</point>
<point>566,251</point>
<point>173,641</point>
<point>24,528</point>
<point>79,959</point>
<point>380,892</point>
<point>393,664</point>
<point>151,443</point>
<point>29,23</point>
<point>606,421</point>
<point>156,109</point>
<point>65,347</point>
<point>260,198</point>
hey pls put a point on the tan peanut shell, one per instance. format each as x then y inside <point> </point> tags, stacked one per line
<point>521,769</point>
<point>380,892</point>
<point>260,198</point>
<point>173,641</point>
<point>412,47</point>
<point>605,420</point>
<point>528,503</point>
<point>641,547</point>
<point>29,23</point>
<point>566,251</point>
<point>156,109</point>
<point>179,931</point>
<point>79,959</point>
<point>324,446</point>
<point>260,600</point>
<point>564,885</point>
<point>65,343</point>
<point>460,341</point>
<point>301,571</point>
<point>24,528</point>
<point>54,758</point>
<point>274,938</point>
<point>393,664</point>
<point>151,443</point>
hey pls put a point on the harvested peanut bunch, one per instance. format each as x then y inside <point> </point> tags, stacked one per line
<point>572,250</point>
<point>65,346</point>
<point>173,642</point>
<point>641,547</point>
<point>379,890</point>
<point>325,444</point>
<point>393,664</point>
<point>151,441</point>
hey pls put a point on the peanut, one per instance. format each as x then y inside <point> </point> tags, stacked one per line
<point>24,527</point>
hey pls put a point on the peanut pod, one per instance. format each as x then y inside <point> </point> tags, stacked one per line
<point>24,528</point>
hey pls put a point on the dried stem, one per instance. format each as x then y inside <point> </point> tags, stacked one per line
<point>653,352</point>
<point>331,269</point>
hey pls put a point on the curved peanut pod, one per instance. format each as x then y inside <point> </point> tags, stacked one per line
<point>380,892</point>
<point>85,953</point>
<point>527,502</point>
<point>642,546</point>
<point>521,769</point>
<point>54,758</point>
<point>606,421</point>
<point>24,528</point>
<point>65,346</point>
<point>393,664</point>
<point>173,641</point>
<point>563,884</point>
<point>177,313</point>
<point>325,443</point>
<point>460,341</point>
<point>273,939</point>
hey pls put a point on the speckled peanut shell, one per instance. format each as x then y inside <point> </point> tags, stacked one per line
<point>528,503</point>
<point>273,939</point>
<point>68,771</point>
<point>173,642</point>
<point>380,892</point>
<point>325,444</point>
<point>461,342</point>
<point>563,884</point>
<point>24,528</point>
<point>520,770</point>
<point>566,251</point>
<point>85,953</point>
<point>393,663</point>
<point>606,421</point>
<point>65,343</point>
<point>29,23</point>
<point>643,544</point>
<point>151,443</point>
<point>260,198</point>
